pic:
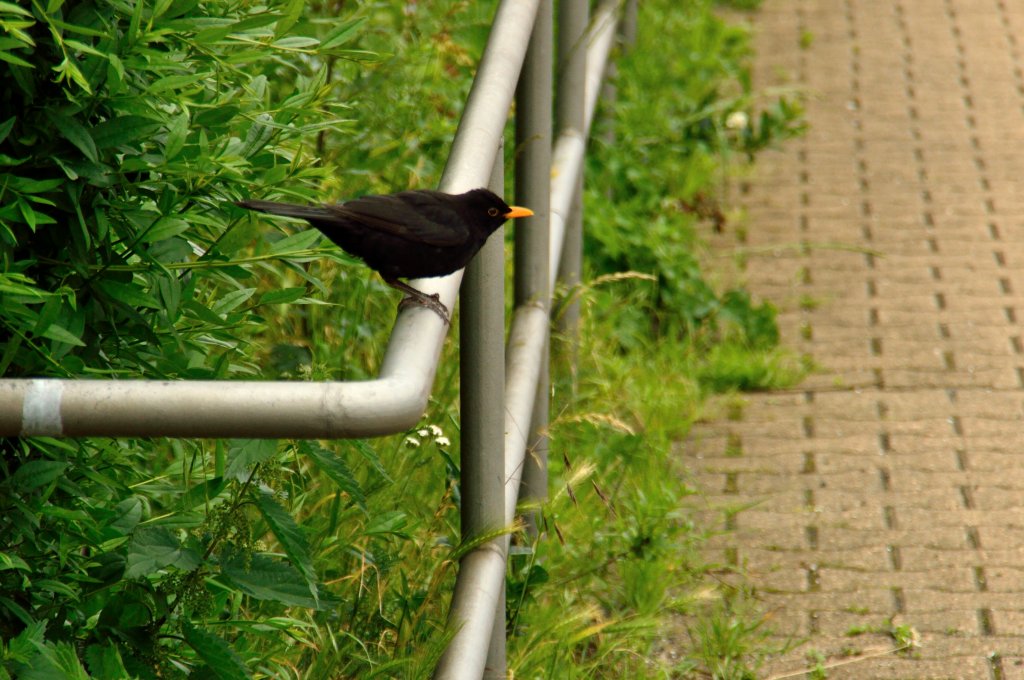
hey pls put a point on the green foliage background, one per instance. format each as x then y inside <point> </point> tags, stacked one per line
<point>126,131</point>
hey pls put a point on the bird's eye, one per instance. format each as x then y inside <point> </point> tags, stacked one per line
<point>493,212</point>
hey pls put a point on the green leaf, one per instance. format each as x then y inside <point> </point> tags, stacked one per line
<point>55,662</point>
<point>25,644</point>
<point>233,299</point>
<point>203,493</point>
<point>14,9</point>
<point>127,293</point>
<point>215,653</point>
<point>177,132</point>
<point>165,228</point>
<point>105,663</point>
<point>343,33</point>
<point>303,240</point>
<point>336,469</point>
<point>160,7</point>
<point>123,130</point>
<point>75,132</point>
<point>36,473</point>
<point>216,116</point>
<point>243,454</point>
<point>214,33</point>
<point>291,538</point>
<point>26,185</point>
<point>65,514</point>
<point>50,585</point>
<point>177,82</point>
<point>155,548</point>
<point>370,456</point>
<point>296,42</point>
<point>12,59</point>
<point>128,515</point>
<point>201,312</point>
<point>115,72</point>
<point>68,70</point>
<point>6,127</point>
<point>60,334</point>
<point>27,213</point>
<point>71,28</point>
<point>394,523</point>
<point>13,562</point>
<point>82,47</point>
<point>259,134</point>
<point>290,14</point>
<point>18,611</point>
<point>265,578</point>
<point>278,297</point>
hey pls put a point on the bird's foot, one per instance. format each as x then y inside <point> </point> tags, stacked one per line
<point>432,302</point>
<point>414,296</point>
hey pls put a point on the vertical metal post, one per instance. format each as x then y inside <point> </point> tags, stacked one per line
<point>495,449</point>
<point>572,63</point>
<point>609,85</point>
<point>629,23</point>
<point>533,189</point>
<point>482,474</point>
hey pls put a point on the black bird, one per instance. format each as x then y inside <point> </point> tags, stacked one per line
<point>410,235</point>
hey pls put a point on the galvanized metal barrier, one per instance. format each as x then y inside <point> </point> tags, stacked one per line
<point>504,390</point>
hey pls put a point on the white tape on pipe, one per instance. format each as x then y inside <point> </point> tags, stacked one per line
<point>40,411</point>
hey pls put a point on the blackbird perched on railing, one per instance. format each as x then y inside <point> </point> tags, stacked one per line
<point>410,235</point>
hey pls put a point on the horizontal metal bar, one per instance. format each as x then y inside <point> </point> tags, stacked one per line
<point>272,409</point>
<point>136,408</point>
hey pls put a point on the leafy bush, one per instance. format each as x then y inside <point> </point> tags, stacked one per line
<point>125,131</point>
<point>669,158</point>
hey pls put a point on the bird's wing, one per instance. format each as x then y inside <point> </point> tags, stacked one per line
<point>415,218</point>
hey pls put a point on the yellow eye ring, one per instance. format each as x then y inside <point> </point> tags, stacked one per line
<point>493,212</point>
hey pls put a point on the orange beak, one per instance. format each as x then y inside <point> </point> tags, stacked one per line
<point>516,211</point>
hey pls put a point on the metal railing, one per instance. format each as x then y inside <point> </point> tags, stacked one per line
<point>504,390</point>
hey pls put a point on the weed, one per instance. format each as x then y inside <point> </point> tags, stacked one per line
<point>817,670</point>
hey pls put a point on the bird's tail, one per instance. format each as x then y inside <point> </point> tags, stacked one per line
<point>305,212</point>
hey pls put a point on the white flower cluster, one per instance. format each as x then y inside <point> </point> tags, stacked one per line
<point>425,434</point>
<point>737,120</point>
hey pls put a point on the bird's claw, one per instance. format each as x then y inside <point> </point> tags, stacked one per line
<point>432,302</point>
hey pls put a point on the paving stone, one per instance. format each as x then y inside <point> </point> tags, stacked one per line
<point>891,482</point>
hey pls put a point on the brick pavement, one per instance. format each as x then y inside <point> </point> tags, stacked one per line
<point>890,484</point>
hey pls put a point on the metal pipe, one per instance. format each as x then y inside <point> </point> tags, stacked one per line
<point>139,408</point>
<point>392,403</point>
<point>572,66</point>
<point>524,363</point>
<point>533,163</point>
<point>482,468</point>
<point>493,451</point>
<point>600,40</point>
<point>466,655</point>
<point>533,188</point>
<point>481,578</point>
<point>629,15</point>
<point>529,332</point>
<point>570,145</point>
<point>476,647</point>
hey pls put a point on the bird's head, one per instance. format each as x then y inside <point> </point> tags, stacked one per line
<point>488,209</point>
